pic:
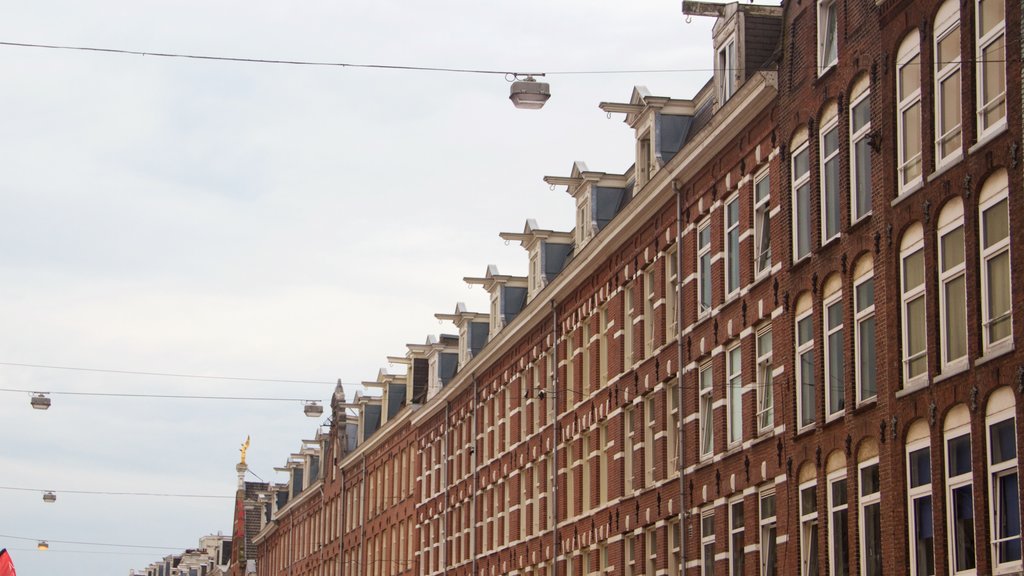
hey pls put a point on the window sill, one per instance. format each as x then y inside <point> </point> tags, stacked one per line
<point>996,351</point>
<point>985,139</point>
<point>952,370</point>
<point>907,193</point>
<point>921,385</point>
<point>866,404</point>
<point>822,72</point>
<point>946,166</point>
<point>832,240</point>
<point>854,224</point>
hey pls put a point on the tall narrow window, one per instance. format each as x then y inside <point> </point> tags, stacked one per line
<point>652,551</point>
<point>707,438</point>
<point>734,393</point>
<point>727,71</point>
<point>629,557</point>
<point>765,392</point>
<point>996,315</point>
<point>627,327</point>
<point>732,246</point>
<point>768,533</point>
<point>602,464</point>
<point>762,225</point>
<point>952,286</point>
<point>736,553</point>
<point>864,328</point>
<point>829,149</point>
<point>587,385</point>
<point>990,51</point>
<point>627,453</point>
<point>602,346</point>
<point>947,83</point>
<point>915,346</point>
<point>650,425</point>
<point>704,268</point>
<point>570,479</point>
<point>828,53</point>
<point>959,491</point>
<point>809,529</point>
<point>860,150</point>
<point>908,119</point>
<point>1004,493</point>
<point>919,495</point>
<point>675,565</point>
<point>586,485</point>
<point>571,387</point>
<point>672,430</point>
<point>835,364</point>
<point>707,544</point>
<point>870,520</point>
<point>806,404</point>
<point>838,524</point>
<point>671,293</point>
<point>801,203</point>
<point>650,295</point>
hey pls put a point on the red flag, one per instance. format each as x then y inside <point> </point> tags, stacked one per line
<point>6,564</point>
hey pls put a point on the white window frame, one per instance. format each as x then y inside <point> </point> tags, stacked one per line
<point>988,254</point>
<point>671,294</point>
<point>704,275</point>
<point>707,542</point>
<point>801,190</point>
<point>963,480</point>
<point>731,240</point>
<point>865,500</point>
<point>737,554</point>
<point>705,412</point>
<point>838,566</point>
<point>858,135</point>
<point>672,429</point>
<point>762,225</point>
<point>627,454</point>
<point>915,493</point>
<point>726,63</point>
<point>767,524</point>
<point>861,315</point>
<point>602,346</point>
<point>909,56</point>
<point>827,33</point>
<point>982,41</point>
<point>765,393</point>
<point>830,331</point>
<point>628,314</point>
<point>946,279</point>
<point>804,348</point>
<point>650,296</point>
<point>650,425</point>
<point>945,71</point>
<point>997,470</point>
<point>809,549</point>
<point>827,161</point>
<point>734,395</point>
<point>907,297</point>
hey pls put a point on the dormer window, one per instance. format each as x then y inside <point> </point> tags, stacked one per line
<point>583,222</point>
<point>726,70</point>
<point>643,160</point>
<point>828,53</point>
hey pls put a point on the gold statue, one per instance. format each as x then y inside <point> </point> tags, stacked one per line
<point>245,447</point>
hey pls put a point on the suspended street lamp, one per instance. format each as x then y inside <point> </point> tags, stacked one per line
<point>313,409</point>
<point>49,497</point>
<point>40,401</point>
<point>529,94</point>
<point>42,545</point>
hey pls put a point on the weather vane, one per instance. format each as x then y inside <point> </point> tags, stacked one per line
<point>245,446</point>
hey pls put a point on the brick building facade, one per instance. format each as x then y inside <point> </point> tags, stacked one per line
<point>783,342</point>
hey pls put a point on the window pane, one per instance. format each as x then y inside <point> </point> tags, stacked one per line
<point>953,248</point>
<point>868,386</point>
<point>805,330</point>
<point>996,225</point>
<point>1008,518</point>
<point>863,175</point>
<point>767,506</point>
<point>807,404</point>
<point>963,528</point>
<point>1002,441</point>
<point>761,189</point>
<point>959,450</point>
<point>991,13</point>
<point>829,52</point>
<point>840,540</point>
<point>800,166</point>
<point>949,114</point>
<point>913,270</point>
<point>916,339</point>
<point>998,270</point>
<point>924,536</point>
<point>803,224</point>
<point>911,138</point>
<point>993,85</point>
<point>808,500</point>
<point>836,369</point>
<point>861,114</point>
<point>956,318</point>
<point>949,47</point>
<point>869,480</point>
<point>865,292</point>
<point>830,177</point>
<point>910,77</point>
<point>873,540</point>
<point>920,468</point>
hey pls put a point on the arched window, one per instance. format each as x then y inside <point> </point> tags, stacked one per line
<point>996,314</point>
<point>838,514</point>
<point>959,490</point>
<point>919,500</point>
<point>808,520</point>
<point>860,149</point>
<point>908,119</point>
<point>800,181</point>
<point>828,151</point>
<point>990,54</point>
<point>864,343</point>
<point>869,499</point>
<point>835,364</point>
<point>913,312</point>
<point>1003,487</point>
<point>805,391</point>
<point>952,287</point>
<point>948,139</point>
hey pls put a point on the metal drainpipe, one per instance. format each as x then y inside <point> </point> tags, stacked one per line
<point>341,520</point>
<point>362,521</point>
<point>554,436</point>
<point>472,504</point>
<point>444,484</point>
<point>679,368</point>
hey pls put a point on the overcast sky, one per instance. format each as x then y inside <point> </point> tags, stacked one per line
<point>264,221</point>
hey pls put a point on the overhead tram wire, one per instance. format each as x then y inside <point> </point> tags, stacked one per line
<point>509,74</point>
<point>166,374</point>
<point>108,493</point>
<point>164,396</point>
<point>107,544</point>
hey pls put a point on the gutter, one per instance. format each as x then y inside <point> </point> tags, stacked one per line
<point>554,436</point>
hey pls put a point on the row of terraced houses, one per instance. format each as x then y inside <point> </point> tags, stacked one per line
<point>785,341</point>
